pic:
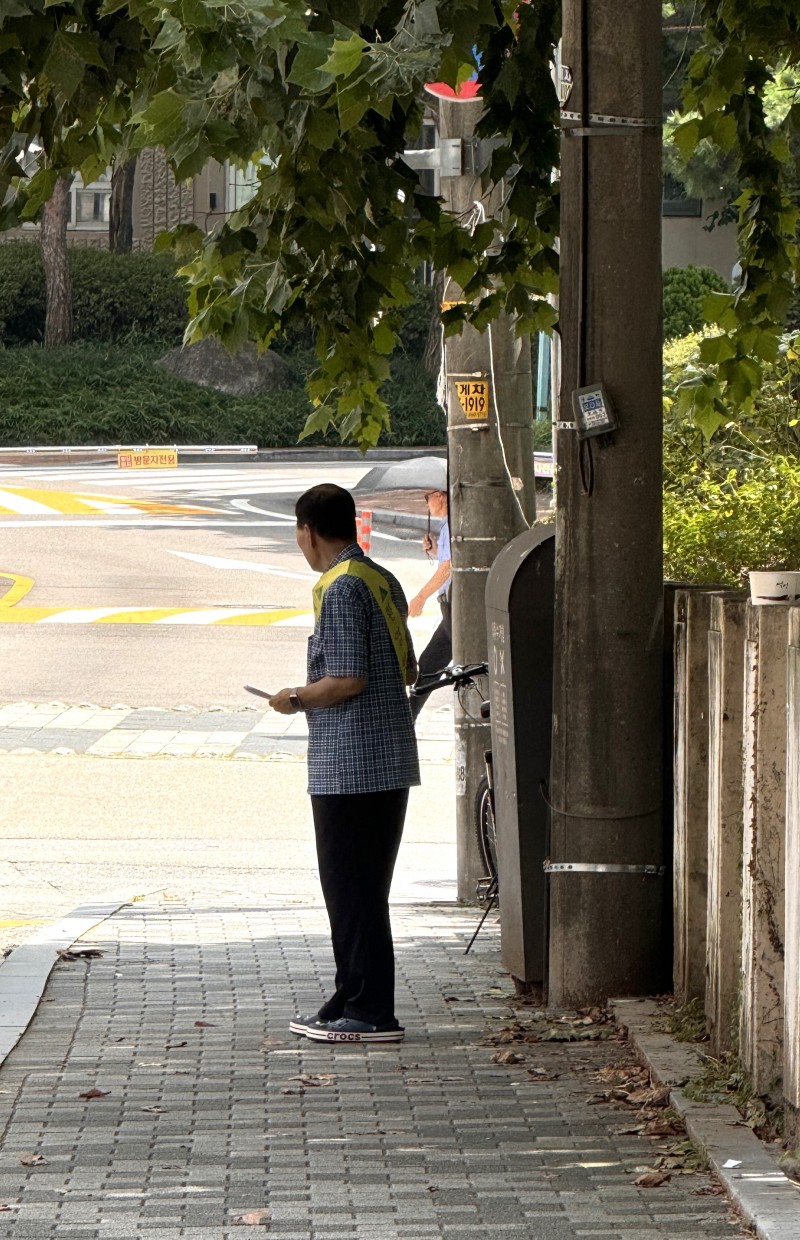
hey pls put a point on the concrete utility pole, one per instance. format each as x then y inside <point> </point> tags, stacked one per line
<point>606,786</point>
<point>492,495</point>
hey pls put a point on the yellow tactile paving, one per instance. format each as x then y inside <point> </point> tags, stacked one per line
<point>34,501</point>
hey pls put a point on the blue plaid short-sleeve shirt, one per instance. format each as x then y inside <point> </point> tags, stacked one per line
<point>366,744</point>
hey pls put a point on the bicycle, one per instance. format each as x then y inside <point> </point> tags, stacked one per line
<point>486,889</point>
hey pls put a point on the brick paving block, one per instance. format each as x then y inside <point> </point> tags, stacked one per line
<point>428,1138</point>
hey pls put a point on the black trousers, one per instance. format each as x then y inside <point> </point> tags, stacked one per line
<point>436,655</point>
<point>357,841</point>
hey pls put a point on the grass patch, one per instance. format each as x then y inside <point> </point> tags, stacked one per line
<point>687,1022</point>
<point>727,1080</point>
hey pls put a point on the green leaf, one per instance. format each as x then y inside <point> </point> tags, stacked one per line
<point>708,420</point>
<point>67,61</point>
<point>345,56</point>
<point>162,119</point>
<point>383,338</point>
<point>716,349</point>
<point>686,137</point>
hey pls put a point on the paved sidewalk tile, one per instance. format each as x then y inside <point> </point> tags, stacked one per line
<point>248,732</point>
<point>210,1109</point>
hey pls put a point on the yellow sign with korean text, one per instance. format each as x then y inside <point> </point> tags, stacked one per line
<point>473,397</point>
<point>148,458</point>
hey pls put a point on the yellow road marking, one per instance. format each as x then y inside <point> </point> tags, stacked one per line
<point>32,615</point>
<point>23,921</point>
<point>21,586</point>
<point>274,617</point>
<point>80,502</point>
<point>144,616</point>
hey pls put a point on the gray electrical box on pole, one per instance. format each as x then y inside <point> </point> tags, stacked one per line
<point>519,621</point>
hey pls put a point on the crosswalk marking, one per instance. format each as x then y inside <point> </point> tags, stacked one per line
<point>154,615</point>
<point>30,501</point>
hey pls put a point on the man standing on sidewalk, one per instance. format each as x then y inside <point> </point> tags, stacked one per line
<point>362,760</point>
<point>439,650</point>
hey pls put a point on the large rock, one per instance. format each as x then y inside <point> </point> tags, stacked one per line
<point>246,373</point>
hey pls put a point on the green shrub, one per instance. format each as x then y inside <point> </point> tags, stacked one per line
<point>93,393</point>
<point>685,290</point>
<point>714,531</point>
<point>114,295</point>
<point>417,417</point>
<point>22,293</point>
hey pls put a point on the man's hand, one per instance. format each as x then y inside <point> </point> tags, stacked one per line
<point>428,545</point>
<point>280,702</point>
<point>416,605</point>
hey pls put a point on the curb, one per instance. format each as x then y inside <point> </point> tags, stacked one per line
<point>748,1170</point>
<point>25,971</point>
<point>398,520</point>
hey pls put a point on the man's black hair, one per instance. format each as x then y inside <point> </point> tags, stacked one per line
<point>329,510</point>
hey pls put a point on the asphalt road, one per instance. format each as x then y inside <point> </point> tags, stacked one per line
<point>166,589</point>
<point>171,587</point>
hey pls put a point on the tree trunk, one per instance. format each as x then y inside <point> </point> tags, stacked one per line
<point>120,213</point>
<point>606,787</point>
<point>58,323</point>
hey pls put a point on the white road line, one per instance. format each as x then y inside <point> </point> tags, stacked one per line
<point>208,616</point>
<point>81,615</point>
<point>216,561</point>
<point>246,506</point>
<point>21,503</point>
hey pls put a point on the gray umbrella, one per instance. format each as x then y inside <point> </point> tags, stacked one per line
<point>420,473</point>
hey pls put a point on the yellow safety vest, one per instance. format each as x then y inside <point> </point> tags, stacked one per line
<point>382,594</point>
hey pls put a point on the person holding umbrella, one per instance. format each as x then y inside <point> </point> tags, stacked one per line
<point>439,650</point>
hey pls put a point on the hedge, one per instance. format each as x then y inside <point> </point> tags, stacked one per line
<point>101,394</point>
<point>114,295</point>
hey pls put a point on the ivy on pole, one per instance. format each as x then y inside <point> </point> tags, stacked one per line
<point>746,45</point>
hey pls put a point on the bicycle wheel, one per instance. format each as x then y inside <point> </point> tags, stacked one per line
<point>485,830</point>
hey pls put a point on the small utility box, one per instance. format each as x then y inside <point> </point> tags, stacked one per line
<point>519,616</point>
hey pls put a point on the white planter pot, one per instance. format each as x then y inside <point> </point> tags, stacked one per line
<point>775,588</point>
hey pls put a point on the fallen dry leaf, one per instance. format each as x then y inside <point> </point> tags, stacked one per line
<point>32,1160</point>
<point>315,1079</point>
<point>78,953</point>
<point>4,1205</point>
<point>653,1179</point>
<point>663,1128</point>
<point>174,1046</point>
<point>95,1093</point>
<point>154,1110</point>
<point>253,1218</point>
<point>507,1057</point>
<point>204,1024</point>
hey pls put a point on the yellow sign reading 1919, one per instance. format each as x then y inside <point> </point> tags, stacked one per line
<point>473,397</point>
<point>148,458</point>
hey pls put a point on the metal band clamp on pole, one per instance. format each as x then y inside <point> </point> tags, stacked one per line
<point>589,867</point>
